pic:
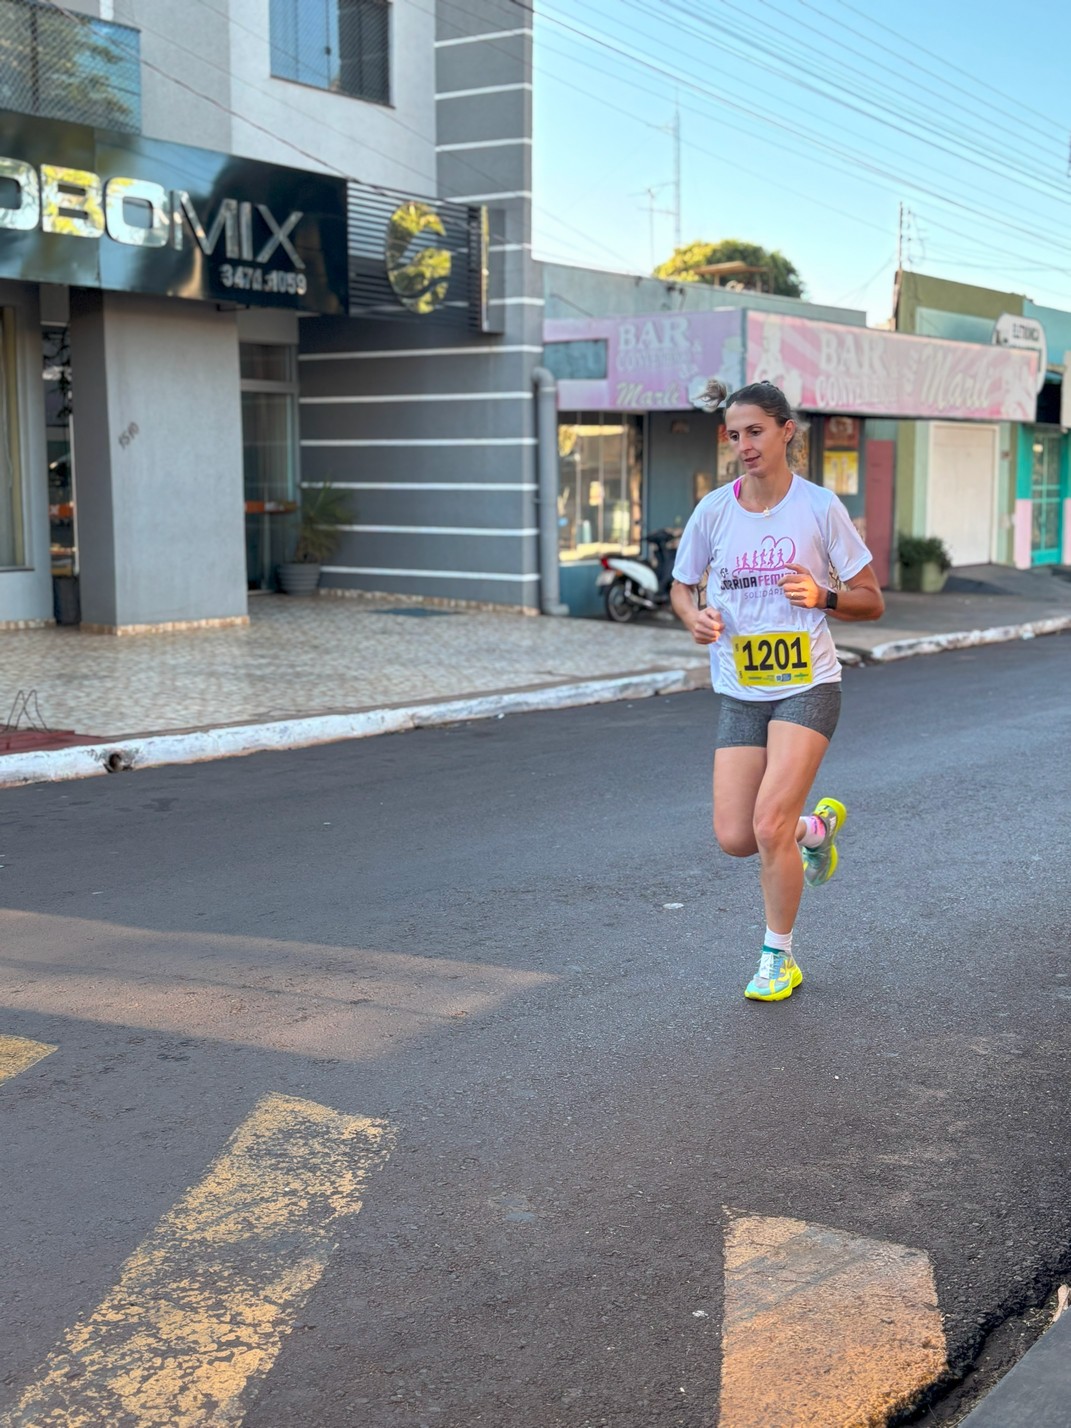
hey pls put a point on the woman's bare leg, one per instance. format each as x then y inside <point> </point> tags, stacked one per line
<point>793,757</point>
<point>738,775</point>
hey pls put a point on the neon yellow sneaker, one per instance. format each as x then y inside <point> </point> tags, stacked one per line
<point>777,977</point>
<point>819,864</point>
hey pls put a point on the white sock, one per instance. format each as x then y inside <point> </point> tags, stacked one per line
<point>814,831</point>
<point>777,942</point>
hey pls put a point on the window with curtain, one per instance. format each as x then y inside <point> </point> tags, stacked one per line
<point>340,45</point>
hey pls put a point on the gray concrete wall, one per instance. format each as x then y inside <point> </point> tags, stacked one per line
<point>431,432</point>
<point>161,515</point>
<point>431,428</point>
<point>588,292</point>
<point>26,593</point>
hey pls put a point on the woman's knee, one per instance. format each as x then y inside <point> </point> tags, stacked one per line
<point>736,839</point>
<point>774,827</point>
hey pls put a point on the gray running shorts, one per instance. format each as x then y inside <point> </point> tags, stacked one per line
<point>742,722</point>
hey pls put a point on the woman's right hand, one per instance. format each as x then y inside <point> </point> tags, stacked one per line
<point>707,626</point>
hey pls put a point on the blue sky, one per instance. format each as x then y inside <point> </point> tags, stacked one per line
<point>804,124</point>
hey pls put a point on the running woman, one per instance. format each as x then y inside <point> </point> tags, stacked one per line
<point>782,556</point>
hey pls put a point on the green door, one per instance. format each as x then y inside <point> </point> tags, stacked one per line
<point>1045,499</point>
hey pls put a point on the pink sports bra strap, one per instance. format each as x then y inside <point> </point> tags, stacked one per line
<point>736,487</point>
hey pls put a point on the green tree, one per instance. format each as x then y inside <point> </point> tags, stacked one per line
<point>780,275</point>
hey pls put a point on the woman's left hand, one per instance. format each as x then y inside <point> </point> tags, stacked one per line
<point>801,588</point>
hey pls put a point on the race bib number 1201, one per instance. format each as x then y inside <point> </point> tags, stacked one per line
<point>782,657</point>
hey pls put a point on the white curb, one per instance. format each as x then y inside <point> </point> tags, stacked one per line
<point>201,745</point>
<point>965,639</point>
<point>86,760</point>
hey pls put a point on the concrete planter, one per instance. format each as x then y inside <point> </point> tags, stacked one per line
<point>928,578</point>
<point>299,577</point>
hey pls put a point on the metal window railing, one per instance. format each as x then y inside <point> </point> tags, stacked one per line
<point>58,65</point>
<point>340,45</point>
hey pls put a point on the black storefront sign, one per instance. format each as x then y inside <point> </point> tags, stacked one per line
<point>90,208</point>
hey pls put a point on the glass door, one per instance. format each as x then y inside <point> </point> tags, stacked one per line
<point>1045,499</point>
<point>270,452</point>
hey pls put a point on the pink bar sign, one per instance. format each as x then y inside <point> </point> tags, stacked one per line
<point>656,361</point>
<point>827,367</point>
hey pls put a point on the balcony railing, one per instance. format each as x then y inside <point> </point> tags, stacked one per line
<point>59,65</point>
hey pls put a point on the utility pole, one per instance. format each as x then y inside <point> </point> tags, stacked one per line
<point>652,209</point>
<point>677,240</point>
<point>900,241</point>
<point>673,129</point>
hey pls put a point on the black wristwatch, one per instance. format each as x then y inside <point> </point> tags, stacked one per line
<point>831,599</point>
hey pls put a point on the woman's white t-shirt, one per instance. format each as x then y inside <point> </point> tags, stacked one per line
<point>783,648</point>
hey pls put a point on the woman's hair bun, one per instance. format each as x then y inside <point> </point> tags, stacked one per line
<point>712,395</point>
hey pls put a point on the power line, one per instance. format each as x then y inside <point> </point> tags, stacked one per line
<point>833,94</point>
<point>622,56</point>
<point>914,45</point>
<point>893,103</point>
<point>796,130</point>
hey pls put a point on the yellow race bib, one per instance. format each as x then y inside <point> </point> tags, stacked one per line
<point>768,661</point>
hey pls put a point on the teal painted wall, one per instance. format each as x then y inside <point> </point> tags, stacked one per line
<point>578,588</point>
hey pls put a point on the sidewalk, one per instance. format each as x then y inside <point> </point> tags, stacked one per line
<point>1036,1393</point>
<point>311,671</point>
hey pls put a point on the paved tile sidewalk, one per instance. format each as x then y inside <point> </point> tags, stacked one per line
<point>302,658</point>
<point>314,656</point>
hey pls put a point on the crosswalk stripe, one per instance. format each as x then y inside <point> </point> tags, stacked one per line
<point>823,1329</point>
<point>202,1307</point>
<point>17,1053</point>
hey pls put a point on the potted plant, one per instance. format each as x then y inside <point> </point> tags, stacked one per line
<point>924,563</point>
<point>323,512</point>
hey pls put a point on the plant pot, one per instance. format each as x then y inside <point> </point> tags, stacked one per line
<point>299,577</point>
<point>928,578</point>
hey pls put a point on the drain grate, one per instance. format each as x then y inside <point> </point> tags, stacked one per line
<point>416,614</point>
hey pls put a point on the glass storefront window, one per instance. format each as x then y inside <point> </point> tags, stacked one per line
<point>270,457</point>
<point>840,455</point>
<point>601,476</point>
<point>12,548</point>
<point>63,543</point>
<point>266,362</point>
<point>1045,496</point>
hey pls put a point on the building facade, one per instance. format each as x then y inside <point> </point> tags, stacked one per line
<point>994,492</point>
<point>248,247</point>
<point>636,454</point>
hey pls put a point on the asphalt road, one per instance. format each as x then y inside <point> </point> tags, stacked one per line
<point>462,934</point>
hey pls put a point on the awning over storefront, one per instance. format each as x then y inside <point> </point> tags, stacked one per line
<point>660,361</point>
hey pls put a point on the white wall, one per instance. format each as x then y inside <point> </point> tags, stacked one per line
<point>161,512</point>
<point>206,78</point>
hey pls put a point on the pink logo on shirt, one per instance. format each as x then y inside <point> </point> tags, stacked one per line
<point>774,553</point>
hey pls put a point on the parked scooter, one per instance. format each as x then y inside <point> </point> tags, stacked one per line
<point>633,585</point>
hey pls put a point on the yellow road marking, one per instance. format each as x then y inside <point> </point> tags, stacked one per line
<point>824,1329</point>
<point>203,1305</point>
<point>17,1053</point>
